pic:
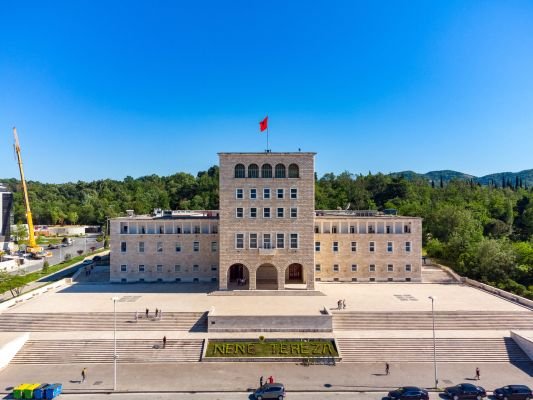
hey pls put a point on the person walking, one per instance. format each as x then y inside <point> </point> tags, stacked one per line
<point>270,379</point>
<point>156,312</point>
<point>164,341</point>
<point>261,381</point>
<point>339,304</point>
<point>160,315</point>
<point>477,374</point>
<point>147,312</point>
<point>136,316</point>
<point>83,375</point>
<point>387,369</point>
<point>344,304</point>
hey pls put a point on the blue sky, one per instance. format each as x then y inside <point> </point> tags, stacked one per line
<point>111,89</point>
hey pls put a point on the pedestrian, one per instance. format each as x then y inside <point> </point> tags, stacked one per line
<point>160,314</point>
<point>156,312</point>
<point>261,381</point>
<point>344,304</point>
<point>147,312</point>
<point>164,341</point>
<point>136,316</point>
<point>387,368</point>
<point>477,374</point>
<point>83,375</point>
<point>339,304</point>
<point>270,379</point>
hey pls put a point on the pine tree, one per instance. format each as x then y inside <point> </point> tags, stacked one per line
<point>441,182</point>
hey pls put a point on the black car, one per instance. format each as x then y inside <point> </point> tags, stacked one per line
<point>409,392</point>
<point>513,392</point>
<point>465,391</point>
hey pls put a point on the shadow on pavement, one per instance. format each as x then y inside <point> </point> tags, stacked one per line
<point>161,287</point>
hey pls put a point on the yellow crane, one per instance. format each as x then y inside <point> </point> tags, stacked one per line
<point>35,250</point>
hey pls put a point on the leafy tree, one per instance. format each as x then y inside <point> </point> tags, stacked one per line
<point>20,232</point>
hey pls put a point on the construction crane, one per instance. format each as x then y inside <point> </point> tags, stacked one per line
<point>32,248</point>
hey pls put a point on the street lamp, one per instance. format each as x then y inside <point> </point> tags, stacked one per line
<point>433,298</point>
<point>115,299</point>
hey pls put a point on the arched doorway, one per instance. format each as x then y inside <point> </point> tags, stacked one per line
<point>238,277</point>
<point>294,273</point>
<point>266,277</point>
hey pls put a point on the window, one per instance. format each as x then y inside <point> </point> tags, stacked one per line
<point>294,193</point>
<point>280,193</point>
<point>177,268</point>
<point>214,247</point>
<point>294,212</point>
<point>239,240</point>
<point>239,211</point>
<point>196,246</point>
<point>178,279</point>
<point>372,279</point>
<point>178,247</point>
<point>280,171</point>
<point>371,229</point>
<point>280,212</point>
<point>408,247</point>
<point>196,280</point>
<point>141,268</point>
<point>266,193</point>
<point>239,193</point>
<point>294,171</point>
<point>317,229</point>
<point>125,229</point>
<point>253,193</point>
<point>389,247</point>
<point>239,171</point>
<point>388,229</point>
<point>371,246</point>
<point>266,171</point>
<point>390,268</point>
<point>408,268</point>
<point>333,229</point>
<point>407,229</point>
<point>141,247</point>
<point>159,268</point>
<point>266,212</point>
<point>352,229</point>
<point>354,246</point>
<point>267,243</point>
<point>253,212</point>
<point>335,246</point>
<point>143,229</point>
<point>294,240</point>
<point>178,229</point>
<point>123,268</point>
<point>195,268</point>
<point>354,268</point>
<point>317,267</point>
<point>317,246</point>
<point>372,268</point>
<point>123,247</point>
<point>159,247</point>
<point>280,240</point>
<point>389,279</point>
<point>354,279</point>
<point>196,229</point>
<point>336,268</point>
<point>253,240</point>
<point>161,229</point>
<point>214,268</point>
<point>253,171</point>
<point>408,279</point>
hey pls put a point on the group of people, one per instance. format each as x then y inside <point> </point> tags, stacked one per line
<point>341,304</point>
<point>158,314</point>
<point>270,379</point>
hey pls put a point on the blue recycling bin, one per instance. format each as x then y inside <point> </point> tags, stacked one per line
<point>53,390</point>
<point>39,393</point>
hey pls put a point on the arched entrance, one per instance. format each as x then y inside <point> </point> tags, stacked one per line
<point>266,277</point>
<point>238,277</point>
<point>294,273</point>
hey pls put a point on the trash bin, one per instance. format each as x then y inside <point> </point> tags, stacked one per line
<point>39,392</point>
<point>28,390</point>
<point>18,391</point>
<point>53,390</point>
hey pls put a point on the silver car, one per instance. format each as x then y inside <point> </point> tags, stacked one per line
<point>270,391</point>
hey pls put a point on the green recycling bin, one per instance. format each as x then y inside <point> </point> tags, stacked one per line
<point>28,390</point>
<point>18,392</point>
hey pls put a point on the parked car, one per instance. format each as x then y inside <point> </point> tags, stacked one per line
<point>513,392</point>
<point>409,392</point>
<point>53,246</point>
<point>87,262</point>
<point>97,258</point>
<point>465,391</point>
<point>270,391</point>
<point>67,241</point>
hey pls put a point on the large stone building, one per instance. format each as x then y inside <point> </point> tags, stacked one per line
<point>6,216</point>
<point>266,235</point>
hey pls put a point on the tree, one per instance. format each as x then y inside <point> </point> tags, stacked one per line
<point>80,252</point>
<point>2,254</point>
<point>13,283</point>
<point>20,232</point>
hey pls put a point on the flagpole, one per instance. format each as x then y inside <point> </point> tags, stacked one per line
<point>267,138</point>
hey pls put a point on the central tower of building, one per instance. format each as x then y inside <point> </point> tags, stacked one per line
<point>267,206</point>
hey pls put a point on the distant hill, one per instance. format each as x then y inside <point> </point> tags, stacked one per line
<point>448,175</point>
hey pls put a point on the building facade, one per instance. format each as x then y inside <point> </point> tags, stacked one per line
<point>266,235</point>
<point>6,217</point>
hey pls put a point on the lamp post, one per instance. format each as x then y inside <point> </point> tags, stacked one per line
<point>433,298</point>
<point>115,299</point>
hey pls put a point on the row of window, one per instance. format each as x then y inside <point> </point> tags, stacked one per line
<point>159,247</point>
<point>267,193</point>
<point>371,279</point>
<point>159,268</point>
<point>280,212</point>
<point>355,268</point>
<point>265,241</point>
<point>169,229</point>
<point>369,229</point>
<point>266,171</point>
<point>371,247</point>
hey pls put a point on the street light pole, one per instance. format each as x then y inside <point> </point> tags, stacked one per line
<point>433,298</point>
<point>114,342</point>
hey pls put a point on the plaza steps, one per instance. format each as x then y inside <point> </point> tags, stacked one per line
<point>51,322</point>
<point>417,350</point>
<point>100,351</point>
<point>434,274</point>
<point>444,320</point>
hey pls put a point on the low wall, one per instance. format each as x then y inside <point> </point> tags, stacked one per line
<point>8,265</point>
<point>451,272</point>
<point>10,347</point>
<point>525,342</point>
<point>30,295</point>
<point>499,292</point>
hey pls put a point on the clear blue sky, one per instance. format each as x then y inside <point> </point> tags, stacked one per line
<point>109,89</point>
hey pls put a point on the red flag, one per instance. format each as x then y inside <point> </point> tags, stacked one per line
<point>263,125</point>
